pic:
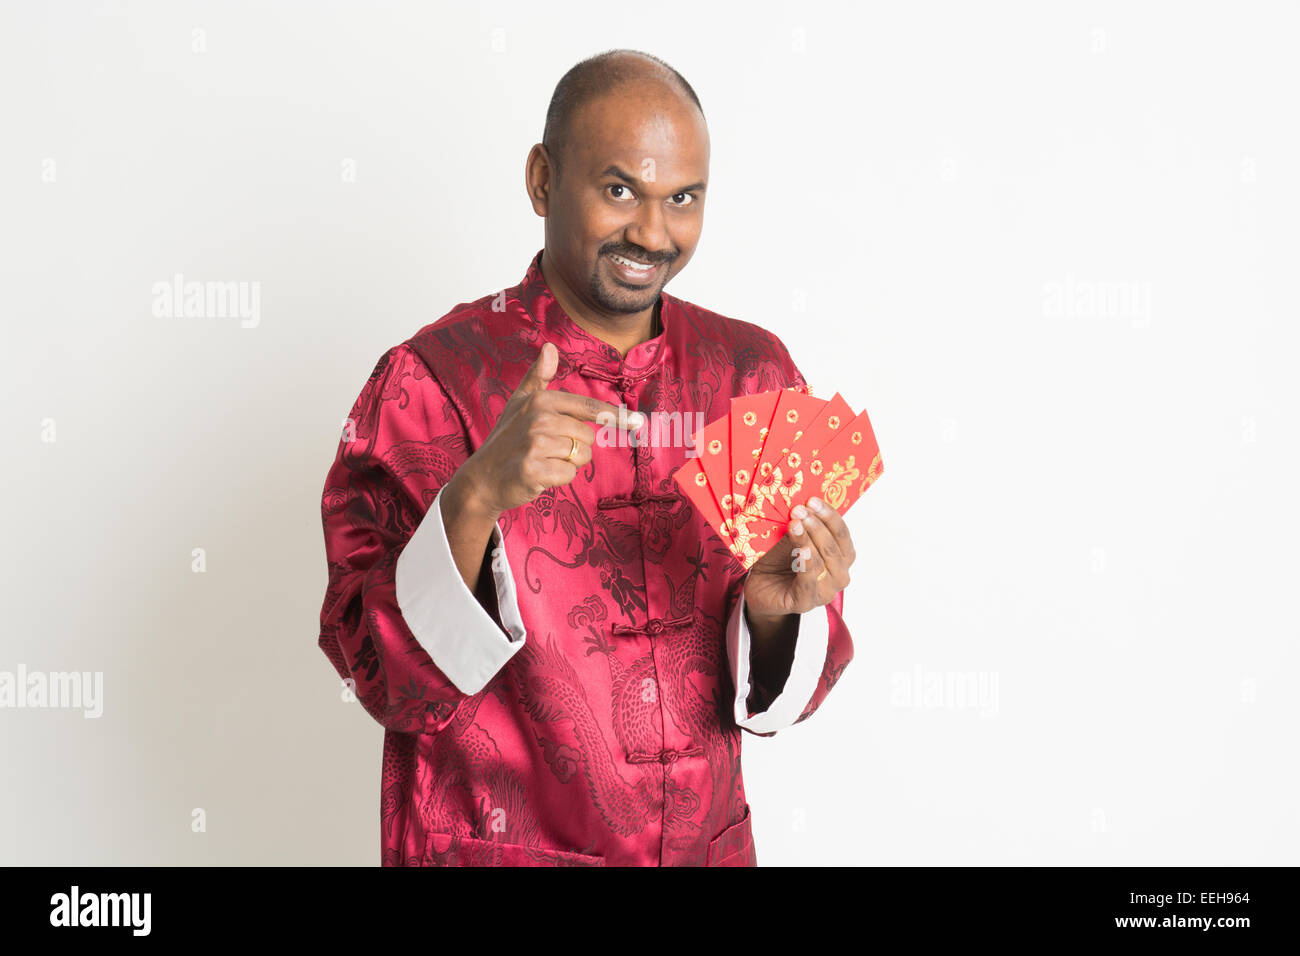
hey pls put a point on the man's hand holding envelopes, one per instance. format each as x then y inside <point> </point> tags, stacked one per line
<point>784,460</point>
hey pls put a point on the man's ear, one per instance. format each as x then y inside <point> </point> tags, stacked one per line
<point>539,178</point>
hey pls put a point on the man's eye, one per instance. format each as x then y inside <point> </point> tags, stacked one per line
<point>689,199</point>
<point>616,186</point>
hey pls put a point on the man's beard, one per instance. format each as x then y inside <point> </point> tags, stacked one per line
<point>616,299</point>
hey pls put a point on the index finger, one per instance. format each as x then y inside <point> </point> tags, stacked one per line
<point>589,409</point>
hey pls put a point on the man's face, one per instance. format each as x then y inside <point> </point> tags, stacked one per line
<point>634,171</point>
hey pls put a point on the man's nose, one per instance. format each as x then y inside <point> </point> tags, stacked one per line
<point>650,231</point>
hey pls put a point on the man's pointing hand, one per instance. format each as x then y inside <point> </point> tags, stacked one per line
<point>543,437</point>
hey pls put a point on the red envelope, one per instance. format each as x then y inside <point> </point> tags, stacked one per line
<point>817,435</point>
<point>775,450</point>
<point>750,417</point>
<point>695,484</point>
<point>844,469</point>
<point>713,442</point>
<point>795,411</point>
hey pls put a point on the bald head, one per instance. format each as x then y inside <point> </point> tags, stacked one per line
<point>602,74</point>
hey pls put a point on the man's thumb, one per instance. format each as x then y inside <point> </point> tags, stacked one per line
<point>541,372</point>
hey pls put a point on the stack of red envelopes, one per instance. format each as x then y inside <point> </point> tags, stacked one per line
<point>773,451</point>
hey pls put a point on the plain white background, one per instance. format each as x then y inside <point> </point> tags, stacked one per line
<point>1052,251</point>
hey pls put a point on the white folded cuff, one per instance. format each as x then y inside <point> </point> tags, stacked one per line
<point>811,643</point>
<point>443,614</point>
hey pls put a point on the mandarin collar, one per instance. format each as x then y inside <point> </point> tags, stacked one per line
<point>578,346</point>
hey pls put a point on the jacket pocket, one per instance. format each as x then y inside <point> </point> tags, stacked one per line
<point>446,849</point>
<point>734,846</point>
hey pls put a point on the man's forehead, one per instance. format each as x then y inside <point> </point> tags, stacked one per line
<point>628,133</point>
<point>671,160</point>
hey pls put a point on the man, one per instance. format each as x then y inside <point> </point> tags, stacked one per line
<point>562,654</point>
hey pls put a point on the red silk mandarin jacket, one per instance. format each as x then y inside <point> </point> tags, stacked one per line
<point>585,706</point>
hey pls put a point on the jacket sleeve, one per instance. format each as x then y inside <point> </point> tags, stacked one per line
<point>398,620</point>
<point>822,649</point>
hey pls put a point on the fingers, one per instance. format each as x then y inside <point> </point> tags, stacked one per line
<point>553,472</point>
<point>588,409</point>
<point>547,464</point>
<point>557,456</point>
<point>560,446</point>
<point>540,373</point>
<point>538,427</point>
<point>824,514</point>
<point>578,408</point>
<point>823,532</point>
<point>807,565</point>
<point>535,388</point>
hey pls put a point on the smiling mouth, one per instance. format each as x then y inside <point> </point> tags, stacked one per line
<point>633,270</point>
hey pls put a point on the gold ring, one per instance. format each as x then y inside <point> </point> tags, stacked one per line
<point>569,456</point>
<point>825,571</point>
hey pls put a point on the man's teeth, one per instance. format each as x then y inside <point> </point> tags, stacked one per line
<point>638,266</point>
